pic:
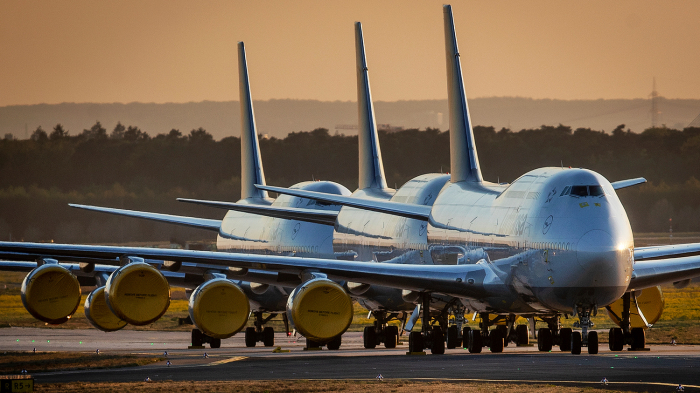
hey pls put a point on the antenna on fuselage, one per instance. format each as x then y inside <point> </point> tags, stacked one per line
<point>464,161</point>
<point>371,166</point>
<point>251,163</point>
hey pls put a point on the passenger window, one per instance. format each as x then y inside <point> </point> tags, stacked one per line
<point>579,191</point>
<point>596,190</point>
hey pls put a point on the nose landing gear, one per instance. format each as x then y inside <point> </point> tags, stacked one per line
<point>584,338</point>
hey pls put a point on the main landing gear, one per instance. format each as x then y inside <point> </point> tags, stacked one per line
<point>199,339</point>
<point>567,339</point>
<point>625,334</point>
<point>266,335</point>
<point>381,332</point>
<point>430,336</point>
<point>497,338</point>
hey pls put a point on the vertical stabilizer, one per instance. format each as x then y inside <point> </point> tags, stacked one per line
<point>464,162</point>
<point>371,167</point>
<point>251,164</point>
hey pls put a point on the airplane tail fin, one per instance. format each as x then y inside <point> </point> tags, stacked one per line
<point>371,166</point>
<point>464,161</point>
<point>251,164</point>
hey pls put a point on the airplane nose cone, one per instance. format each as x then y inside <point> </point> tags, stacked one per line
<point>593,245</point>
<point>605,266</point>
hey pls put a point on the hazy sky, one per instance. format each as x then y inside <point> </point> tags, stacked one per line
<point>180,51</point>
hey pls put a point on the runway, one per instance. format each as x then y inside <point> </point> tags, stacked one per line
<point>663,364</point>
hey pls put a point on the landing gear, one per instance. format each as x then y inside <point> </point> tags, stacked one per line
<point>415,342</point>
<point>576,343</point>
<point>199,339</point>
<point>381,332</point>
<point>625,334</point>
<point>592,343</point>
<point>369,337</point>
<point>616,340</point>
<point>334,344</point>
<point>522,335</point>
<point>256,334</point>
<point>544,340</point>
<point>476,342</point>
<point>565,339</point>
<point>453,340</point>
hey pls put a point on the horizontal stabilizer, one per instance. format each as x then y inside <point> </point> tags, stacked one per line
<point>324,217</point>
<point>659,252</point>
<point>201,223</point>
<point>628,183</point>
<point>408,210</point>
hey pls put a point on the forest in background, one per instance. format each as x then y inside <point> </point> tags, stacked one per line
<point>127,168</point>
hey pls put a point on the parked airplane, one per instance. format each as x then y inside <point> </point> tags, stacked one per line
<point>554,242</point>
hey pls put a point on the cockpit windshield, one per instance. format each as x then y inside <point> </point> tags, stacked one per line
<point>583,191</point>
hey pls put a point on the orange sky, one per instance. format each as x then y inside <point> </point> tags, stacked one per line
<point>180,51</point>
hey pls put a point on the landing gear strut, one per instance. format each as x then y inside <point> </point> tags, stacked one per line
<point>430,336</point>
<point>625,334</point>
<point>256,334</point>
<point>381,332</point>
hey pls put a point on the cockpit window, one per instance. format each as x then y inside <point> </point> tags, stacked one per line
<point>583,191</point>
<point>579,191</point>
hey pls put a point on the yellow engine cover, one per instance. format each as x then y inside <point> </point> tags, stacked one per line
<point>651,302</point>
<point>138,293</point>
<point>98,313</point>
<point>320,309</point>
<point>219,308</point>
<point>51,293</point>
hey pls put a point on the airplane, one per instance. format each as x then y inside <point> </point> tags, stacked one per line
<point>554,242</point>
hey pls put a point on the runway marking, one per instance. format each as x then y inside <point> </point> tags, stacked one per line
<point>229,360</point>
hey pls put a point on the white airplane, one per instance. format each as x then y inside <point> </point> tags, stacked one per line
<point>554,242</point>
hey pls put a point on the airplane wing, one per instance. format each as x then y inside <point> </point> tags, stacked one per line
<point>663,271</point>
<point>408,210</point>
<point>325,217</point>
<point>660,252</point>
<point>628,183</point>
<point>201,223</point>
<point>474,280</point>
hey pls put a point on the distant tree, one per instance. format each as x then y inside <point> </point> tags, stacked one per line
<point>58,133</point>
<point>118,131</point>
<point>39,135</point>
<point>200,135</point>
<point>135,134</point>
<point>9,136</point>
<point>174,134</point>
<point>95,132</point>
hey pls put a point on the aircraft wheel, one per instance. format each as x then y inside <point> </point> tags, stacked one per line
<point>504,333</point>
<point>476,341</point>
<point>496,340</point>
<point>215,342</point>
<point>522,335</point>
<point>391,337</point>
<point>269,336</point>
<point>639,339</point>
<point>565,339</point>
<point>369,337</point>
<point>465,337</point>
<point>452,337</point>
<point>334,344</point>
<point>311,344</point>
<point>197,338</point>
<point>437,341</point>
<point>250,337</point>
<point>544,340</point>
<point>575,343</point>
<point>415,342</point>
<point>616,340</point>
<point>592,343</point>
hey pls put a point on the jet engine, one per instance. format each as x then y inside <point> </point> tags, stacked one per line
<point>320,309</point>
<point>98,313</point>
<point>51,293</point>
<point>138,293</point>
<point>650,301</point>
<point>219,308</point>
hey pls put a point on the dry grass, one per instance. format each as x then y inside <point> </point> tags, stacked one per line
<point>14,362</point>
<point>301,386</point>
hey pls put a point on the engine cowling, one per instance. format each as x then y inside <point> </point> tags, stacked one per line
<point>651,302</point>
<point>51,293</point>
<point>320,309</point>
<point>138,293</point>
<point>98,313</point>
<point>219,308</point>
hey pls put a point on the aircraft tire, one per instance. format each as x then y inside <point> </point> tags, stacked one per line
<point>522,335</point>
<point>575,343</point>
<point>415,342</point>
<point>544,340</point>
<point>565,339</point>
<point>250,337</point>
<point>638,338</point>
<point>197,338</point>
<point>391,337</point>
<point>465,337</point>
<point>269,336</point>
<point>334,344</point>
<point>592,343</point>
<point>504,333</point>
<point>215,342</point>
<point>496,340</point>
<point>475,341</point>
<point>369,337</point>
<point>452,337</point>
<point>437,341</point>
<point>616,339</point>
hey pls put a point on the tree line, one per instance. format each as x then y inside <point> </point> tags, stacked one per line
<point>128,168</point>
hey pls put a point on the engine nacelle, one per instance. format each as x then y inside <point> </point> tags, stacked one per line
<point>51,293</point>
<point>138,293</point>
<point>650,301</point>
<point>219,308</point>
<point>320,309</point>
<point>98,313</point>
